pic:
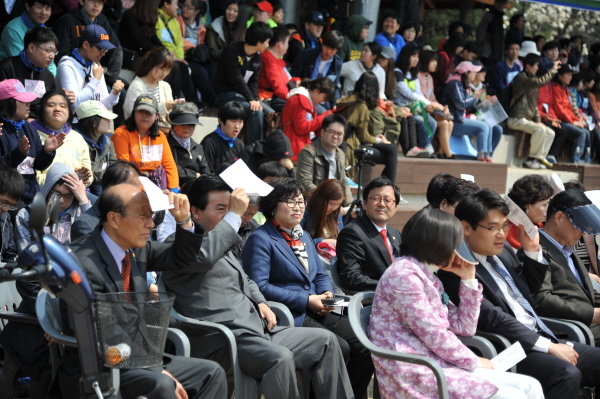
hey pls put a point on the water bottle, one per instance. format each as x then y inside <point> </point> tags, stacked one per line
<point>577,155</point>
<point>116,354</point>
<point>587,155</point>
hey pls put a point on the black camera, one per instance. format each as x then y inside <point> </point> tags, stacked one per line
<point>361,153</point>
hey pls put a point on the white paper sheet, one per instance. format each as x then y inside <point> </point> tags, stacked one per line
<point>159,201</point>
<point>556,184</point>
<point>518,217</point>
<point>509,357</point>
<point>247,76</point>
<point>239,175</point>
<point>470,178</point>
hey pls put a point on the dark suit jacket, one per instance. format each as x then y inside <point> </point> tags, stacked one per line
<point>270,263</point>
<point>362,255</point>
<point>560,294</point>
<point>495,314</point>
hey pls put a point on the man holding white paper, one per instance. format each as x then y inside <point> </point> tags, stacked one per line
<point>508,308</point>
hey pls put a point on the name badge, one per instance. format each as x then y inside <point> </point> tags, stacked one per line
<point>37,87</point>
<point>152,153</point>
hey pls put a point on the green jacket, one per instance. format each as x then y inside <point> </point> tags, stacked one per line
<point>352,44</point>
<point>272,24</point>
<point>170,34</point>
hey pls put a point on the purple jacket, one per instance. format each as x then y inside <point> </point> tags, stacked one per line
<point>409,316</point>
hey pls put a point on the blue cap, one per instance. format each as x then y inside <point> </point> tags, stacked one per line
<point>464,252</point>
<point>316,18</point>
<point>97,36</point>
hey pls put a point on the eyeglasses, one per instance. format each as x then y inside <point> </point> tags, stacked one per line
<point>386,201</point>
<point>143,217</point>
<point>66,197</point>
<point>7,206</point>
<point>189,8</point>
<point>102,51</point>
<point>292,204</point>
<point>496,229</point>
<point>50,51</point>
<point>334,133</point>
<point>99,2</point>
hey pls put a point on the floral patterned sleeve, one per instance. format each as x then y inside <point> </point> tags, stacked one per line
<point>463,319</point>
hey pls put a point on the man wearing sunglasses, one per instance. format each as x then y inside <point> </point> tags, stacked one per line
<point>81,72</point>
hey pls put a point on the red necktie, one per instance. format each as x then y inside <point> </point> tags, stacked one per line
<point>126,273</point>
<point>387,244</point>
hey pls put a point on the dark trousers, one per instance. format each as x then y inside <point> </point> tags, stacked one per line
<point>200,378</point>
<point>386,154</point>
<point>408,134</point>
<point>562,380</point>
<point>203,76</point>
<point>358,359</point>
<point>254,119</point>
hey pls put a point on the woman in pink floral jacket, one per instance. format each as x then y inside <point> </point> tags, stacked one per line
<point>412,314</point>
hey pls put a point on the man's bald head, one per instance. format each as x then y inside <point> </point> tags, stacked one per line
<point>117,198</point>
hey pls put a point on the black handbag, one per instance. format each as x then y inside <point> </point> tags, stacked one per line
<point>200,54</point>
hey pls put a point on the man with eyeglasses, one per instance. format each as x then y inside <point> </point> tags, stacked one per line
<point>368,245</point>
<point>82,73</point>
<point>37,13</point>
<point>70,27</point>
<point>115,258</point>
<point>31,66</point>
<point>509,308</point>
<point>12,189</point>
<point>322,159</point>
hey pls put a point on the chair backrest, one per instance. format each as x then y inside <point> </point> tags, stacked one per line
<point>336,277</point>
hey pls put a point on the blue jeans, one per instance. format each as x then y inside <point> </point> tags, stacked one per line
<point>254,119</point>
<point>423,140</point>
<point>482,130</point>
<point>496,136</point>
<point>579,136</point>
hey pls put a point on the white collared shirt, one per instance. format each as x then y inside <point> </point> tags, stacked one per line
<point>521,314</point>
<point>116,251</point>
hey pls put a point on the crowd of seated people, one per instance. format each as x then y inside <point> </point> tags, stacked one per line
<point>301,107</point>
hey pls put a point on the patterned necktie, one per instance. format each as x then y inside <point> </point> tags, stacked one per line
<point>387,244</point>
<point>519,296</point>
<point>126,273</point>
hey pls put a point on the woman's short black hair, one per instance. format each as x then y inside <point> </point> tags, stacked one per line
<point>88,126</point>
<point>324,85</point>
<point>403,61</point>
<point>12,183</point>
<point>131,126</point>
<point>453,190</point>
<point>375,48</point>
<point>455,41</point>
<point>283,189</point>
<point>381,181</point>
<point>44,103</point>
<point>435,184</point>
<point>258,32</point>
<point>231,111</point>
<point>566,199</point>
<point>575,185</point>
<point>431,228</point>
<point>474,208</point>
<point>530,189</point>
<point>8,108</point>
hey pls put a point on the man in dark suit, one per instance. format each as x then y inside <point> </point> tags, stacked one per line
<point>367,245</point>
<point>220,291</point>
<point>507,307</point>
<point>566,290</point>
<point>115,258</point>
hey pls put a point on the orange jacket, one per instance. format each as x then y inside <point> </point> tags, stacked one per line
<point>562,104</point>
<point>187,45</point>
<point>154,153</point>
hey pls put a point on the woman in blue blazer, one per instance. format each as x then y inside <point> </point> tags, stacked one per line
<point>282,260</point>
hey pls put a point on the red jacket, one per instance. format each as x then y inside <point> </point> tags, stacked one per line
<point>299,118</point>
<point>273,78</point>
<point>562,103</point>
<point>545,97</point>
